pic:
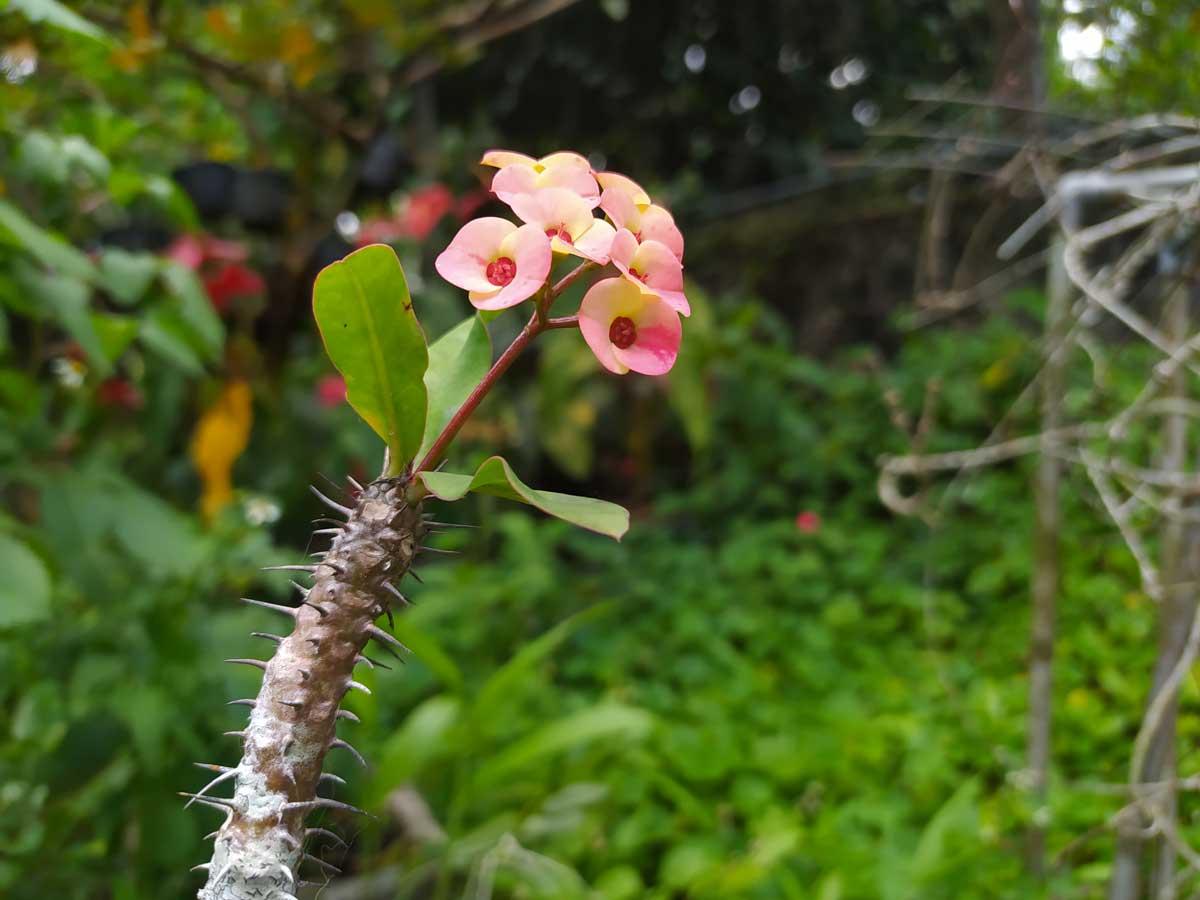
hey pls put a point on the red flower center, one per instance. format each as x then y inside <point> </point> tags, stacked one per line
<point>560,232</point>
<point>622,332</point>
<point>501,271</point>
<point>640,276</point>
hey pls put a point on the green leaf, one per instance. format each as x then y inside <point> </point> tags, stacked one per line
<point>195,310</point>
<point>429,652</point>
<point>458,360</point>
<point>125,275</point>
<point>495,476</point>
<point>424,735</point>
<point>371,333</point>
<point>165,333</point>
<point>25,587</point>
<point>503,683</point>
<point>59,15</point>
<point>606,721</point>
<point>49,249</point>
<point>115,332</point>
<point>68,301</point>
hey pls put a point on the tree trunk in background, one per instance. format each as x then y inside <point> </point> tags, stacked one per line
<point>1018,75</point>
<point>1045,558</point>
<point>1180,542</point>
<point>1179,604</point>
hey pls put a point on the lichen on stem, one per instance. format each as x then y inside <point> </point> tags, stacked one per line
<point>260,847</point>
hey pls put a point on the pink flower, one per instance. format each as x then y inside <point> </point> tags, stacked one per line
<point>628,329</point>
<point>626,185</point>
<point>652,267</point>
<point>808,522</point>
<point>521,174</point>
<point>500,264</point>
<point>193,250</point>
<point>646,223</point>
<point>230,281</point>
<point>331,391</point>
<point>566,218</point>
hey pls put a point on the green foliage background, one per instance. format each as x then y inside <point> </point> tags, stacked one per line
<point>723,705</point>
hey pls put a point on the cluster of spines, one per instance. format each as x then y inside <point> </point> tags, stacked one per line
<point>387,641</point>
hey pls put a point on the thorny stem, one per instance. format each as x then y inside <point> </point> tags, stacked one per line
<point>537,323</point>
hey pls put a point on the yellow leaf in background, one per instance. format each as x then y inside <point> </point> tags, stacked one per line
<point>218,23</point>
<point>298,48</point>
<point>125,59</point>
<point>137,20</point>
<point>218,440</point>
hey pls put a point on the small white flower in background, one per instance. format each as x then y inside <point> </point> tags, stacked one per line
<point>68,372</point>
<point>260,510</point>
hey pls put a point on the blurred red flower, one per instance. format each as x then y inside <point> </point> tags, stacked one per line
<point>468,203</point>
<point>193,250</point>
<point>331,391</point>
<point>808,522</point>
<point>425,208</point>
<point>230,281</point>
<point>119,393</point>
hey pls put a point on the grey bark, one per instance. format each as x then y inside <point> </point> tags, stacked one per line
<point>1046,557</point>
<point>1180,544</point>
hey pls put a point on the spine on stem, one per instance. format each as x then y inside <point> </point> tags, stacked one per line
<point>260,848</point>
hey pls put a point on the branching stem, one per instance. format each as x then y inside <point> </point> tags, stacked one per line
<point>537,323</point>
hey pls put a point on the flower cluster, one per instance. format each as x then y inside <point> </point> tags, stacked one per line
<point>630,316</point>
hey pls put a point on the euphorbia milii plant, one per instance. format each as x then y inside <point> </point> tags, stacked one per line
<point>417,398</point>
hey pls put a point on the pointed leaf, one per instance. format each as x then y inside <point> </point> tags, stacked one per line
<point>606,721</point>
<point>503,683</point>
<point>68,302</point>
<point>495,476</point>
<point>25,588</point>
<point>366,319</point>
<point>125,275</point>
<point>194,309</point>
<point>48,248</point>
<point>59,15</point>
<point>458,360</point>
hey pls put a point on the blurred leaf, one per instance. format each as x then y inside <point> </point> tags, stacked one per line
<point>371,333</point>
<point>125,275</point>
<point>68,300</point>
<point>502,683</point>
<point>568,398</point>
<point>426,649</point>
<point>25,587</point>
<point>458,360</point>
<point>689,861</point>
<point>958,816</point>
<point>605,721</point>
<point>49,249</point>
<point>58,15</point>
<point>495,476</point>
<point>165,332</point>
<point>195,310</point>
<point>688,391</point>
<point>115,333</point>
<point>422,738</point>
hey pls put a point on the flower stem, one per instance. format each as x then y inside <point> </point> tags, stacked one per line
<point>537,323</point>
